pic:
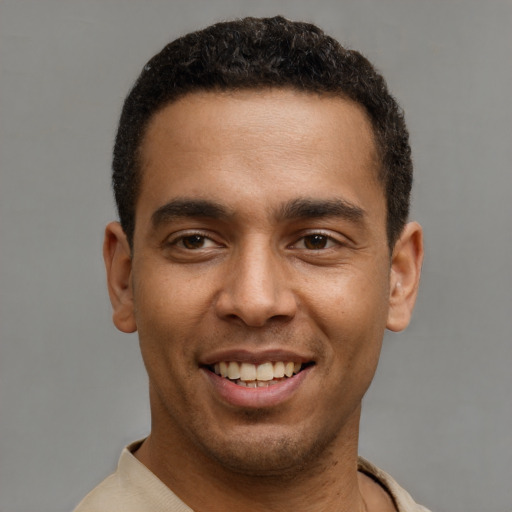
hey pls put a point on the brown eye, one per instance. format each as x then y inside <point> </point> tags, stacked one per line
<point>315,242</point>
<point>193,241</point>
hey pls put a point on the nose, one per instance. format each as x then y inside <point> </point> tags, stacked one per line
<point>256,290</point>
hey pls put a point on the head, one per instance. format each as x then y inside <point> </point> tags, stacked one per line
<point>268,172</point>
<point>259,54</point>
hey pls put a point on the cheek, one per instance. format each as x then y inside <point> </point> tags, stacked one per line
<point>351,311</point>
<point>173,316</point>
<point>168,298</point>
<point>356,297</point>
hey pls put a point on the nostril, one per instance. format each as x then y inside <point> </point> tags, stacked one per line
<point>255,293</point>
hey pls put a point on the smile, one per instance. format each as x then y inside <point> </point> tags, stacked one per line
<point>257,381</point>
<point>257,375</point>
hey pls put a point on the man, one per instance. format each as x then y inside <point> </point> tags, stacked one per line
<point>262,176</point>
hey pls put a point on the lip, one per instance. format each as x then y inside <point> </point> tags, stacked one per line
<point>259,357</point>
<point>255,398</point>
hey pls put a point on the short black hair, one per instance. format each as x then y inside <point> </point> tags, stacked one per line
<point>255,53</point>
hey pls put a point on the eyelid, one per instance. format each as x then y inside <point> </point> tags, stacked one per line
<point>175,238</point>
<point>339,240</point>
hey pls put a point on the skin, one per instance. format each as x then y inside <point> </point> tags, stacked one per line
<point>261,279</point>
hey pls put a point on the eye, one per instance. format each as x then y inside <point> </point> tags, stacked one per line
<point>194,242</point>
<point>315,242</point>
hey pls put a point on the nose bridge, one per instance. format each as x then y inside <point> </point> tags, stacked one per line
<point>256,289</point>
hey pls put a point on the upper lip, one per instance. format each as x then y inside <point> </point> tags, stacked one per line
<point>256,356</point>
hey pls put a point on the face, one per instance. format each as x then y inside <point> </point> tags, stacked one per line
<point>261,278</point>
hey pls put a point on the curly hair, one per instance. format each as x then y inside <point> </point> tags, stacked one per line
<point>254,53</point>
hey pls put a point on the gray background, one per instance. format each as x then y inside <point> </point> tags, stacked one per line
<point>73,390</point>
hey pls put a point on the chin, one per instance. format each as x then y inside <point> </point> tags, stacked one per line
<point>263,454</point>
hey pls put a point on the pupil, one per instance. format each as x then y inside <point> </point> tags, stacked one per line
<point>315,241</point>
<point>193,241</point>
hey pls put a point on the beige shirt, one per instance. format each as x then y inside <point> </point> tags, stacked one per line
<point>134,488</point>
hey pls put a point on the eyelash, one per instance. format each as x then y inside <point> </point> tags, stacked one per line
<point>328,240</point>
<point>178,241</point>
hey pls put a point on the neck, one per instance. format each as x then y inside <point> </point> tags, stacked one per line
<point>329,482</point>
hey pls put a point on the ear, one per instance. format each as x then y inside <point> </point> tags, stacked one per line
<point>404,278</point>
<point>118,264</point>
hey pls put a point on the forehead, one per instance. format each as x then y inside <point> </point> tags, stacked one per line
<point>281,137</point>
<point>297,112</point>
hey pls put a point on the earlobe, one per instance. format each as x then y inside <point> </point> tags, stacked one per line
<point>405,273</point>
<point>118,264</point>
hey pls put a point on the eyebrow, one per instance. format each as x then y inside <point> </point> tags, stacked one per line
<point>318,208</point>
<point>300,208</point>
<point>178,208</point>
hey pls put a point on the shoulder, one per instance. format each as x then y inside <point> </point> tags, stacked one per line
<point>402,499</point>
<point>132,488</point>
<point>108,495</point>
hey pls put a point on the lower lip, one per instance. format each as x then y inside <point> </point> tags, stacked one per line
<point>256,398</point>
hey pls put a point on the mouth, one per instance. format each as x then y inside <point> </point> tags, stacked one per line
<point>262,375</point>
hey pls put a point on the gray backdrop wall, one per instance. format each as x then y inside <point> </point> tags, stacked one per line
<point>73,390</point>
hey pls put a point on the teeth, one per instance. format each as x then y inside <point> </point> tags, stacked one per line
<point>223,369</point>
<point>288,369</point>
<point>248,371</point>
<point>278,370</point>
<point>251,375</point>
<point>265,371</point>
<point>233,370</point>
